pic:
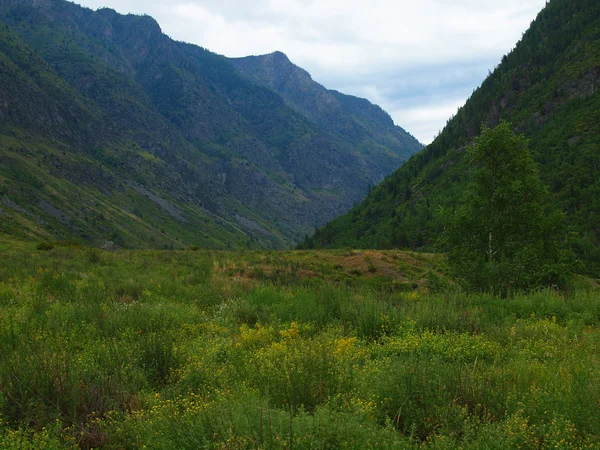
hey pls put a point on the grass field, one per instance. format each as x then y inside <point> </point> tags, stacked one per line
<point>323,349</point>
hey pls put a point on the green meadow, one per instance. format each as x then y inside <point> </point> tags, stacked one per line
<point>306,349</point>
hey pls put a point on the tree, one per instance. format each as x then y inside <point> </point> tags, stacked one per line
<point>505,236</point>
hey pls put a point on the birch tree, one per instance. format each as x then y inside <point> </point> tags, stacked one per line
<point>505,235</point>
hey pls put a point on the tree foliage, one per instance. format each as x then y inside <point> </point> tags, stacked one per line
<point>505,236</point>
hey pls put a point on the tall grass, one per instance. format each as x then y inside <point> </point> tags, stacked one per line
<point>186,350</point>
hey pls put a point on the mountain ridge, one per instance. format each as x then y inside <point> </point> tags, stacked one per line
<point>165,120</point>
<point>335,113</point>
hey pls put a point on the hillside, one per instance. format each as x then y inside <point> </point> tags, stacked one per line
<point>354,122</point>
<point>110,130</point>
<point>548,87</point>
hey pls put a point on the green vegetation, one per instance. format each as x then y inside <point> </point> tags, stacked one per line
<point>312,349</point>
<point>79,189</point>
<point>503,237</point>
<point>109,137</point>
<point>111,131</point>
<point>547,88</point>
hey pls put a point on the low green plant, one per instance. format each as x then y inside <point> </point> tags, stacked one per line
<point>176,349</point>
<point>45,246</point>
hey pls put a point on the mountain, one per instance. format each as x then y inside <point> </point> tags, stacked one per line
<point>110,130</point>
<point>361,127</point>
<point>548,87</point>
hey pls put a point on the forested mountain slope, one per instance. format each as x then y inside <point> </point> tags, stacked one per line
<point>110,130</point>
<point>548,87</point>
<point>358,125</point>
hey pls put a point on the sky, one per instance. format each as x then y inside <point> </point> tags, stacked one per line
<point>419,60</point>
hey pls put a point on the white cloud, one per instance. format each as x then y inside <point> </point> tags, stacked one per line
<point>423,119</point>
<point>377,48</point>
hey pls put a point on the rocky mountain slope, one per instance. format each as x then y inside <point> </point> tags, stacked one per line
<point>359,126</point>
<point>549,88</point>
<point>110,130</point>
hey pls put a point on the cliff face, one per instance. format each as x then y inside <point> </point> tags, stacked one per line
<point>116,120</point>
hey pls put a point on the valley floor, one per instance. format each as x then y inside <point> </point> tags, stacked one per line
<point>327,349</point>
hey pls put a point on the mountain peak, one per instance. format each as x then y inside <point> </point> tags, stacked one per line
<point>332,111</point>
<point>275,67</point>
<point>279,54</point>
<point>132,22</point>
<point>275,59</point>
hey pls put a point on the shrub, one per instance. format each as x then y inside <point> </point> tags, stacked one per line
<point>45,246</point>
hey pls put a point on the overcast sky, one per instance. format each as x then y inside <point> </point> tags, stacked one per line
<point>419,59</point>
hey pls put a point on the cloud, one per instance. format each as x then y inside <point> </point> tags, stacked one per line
<point>418,60</point>
<point>422,119</point>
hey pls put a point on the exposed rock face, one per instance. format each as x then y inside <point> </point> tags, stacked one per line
<point>110,247</point>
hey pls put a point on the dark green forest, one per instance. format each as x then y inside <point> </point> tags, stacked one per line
<point>548,88</point>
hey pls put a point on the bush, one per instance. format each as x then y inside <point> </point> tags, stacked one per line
<point>94,256</point>
<point>45,246</point>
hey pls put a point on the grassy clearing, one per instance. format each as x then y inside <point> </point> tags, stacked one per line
<point>341,349</point>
